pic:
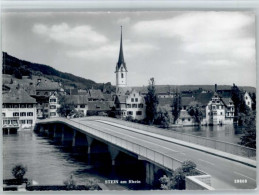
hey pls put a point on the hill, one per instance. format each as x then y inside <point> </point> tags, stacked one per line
<point>19,68</point>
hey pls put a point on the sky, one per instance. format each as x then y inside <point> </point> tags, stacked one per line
<point>176,48</point>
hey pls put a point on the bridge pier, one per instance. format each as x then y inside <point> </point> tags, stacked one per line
<point>149,173</point>
<point>67,136</point>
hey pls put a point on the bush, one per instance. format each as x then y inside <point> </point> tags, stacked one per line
<point>70,183</point>
<point>19,171</point>
<point>92,184</point>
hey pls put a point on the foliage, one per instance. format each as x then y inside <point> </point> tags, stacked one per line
<point>151,100</point>
<point>129,118</point>
<point>253,97</point>
<point>162,118</point>
<point>19,171</point>
<point>196,113</point>
<point>19,68</point>
<point>248,138</point>
<point>176,107</point>
<point>177,180</point>
<point>70,183</point>
<point>65,109</point>
<point>92,184</point>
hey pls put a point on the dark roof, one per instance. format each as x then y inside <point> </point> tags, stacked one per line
<point>18,96</point>
<point>76,99</point>
<point>226,100</point>
<point>47,86</point>
<point>96,94</point>
<point>108,97</point>
<point>185,101</point>
<point>203,98</point>
<point>100,105</point>
<point>121,61</point>
<point>165,101</point>
<point>121,99</point>
<point>123,90</point>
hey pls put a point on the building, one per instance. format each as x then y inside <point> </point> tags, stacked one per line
<point>53,105</point>
<point>80,102</point>
<point>128,102</point>
<point>248,100</point>
<point>101,108</point>
<point>121,69</point>
<point>19,110</point>
<point>95,95</point>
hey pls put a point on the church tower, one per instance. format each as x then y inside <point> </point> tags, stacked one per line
<point>121,69</point>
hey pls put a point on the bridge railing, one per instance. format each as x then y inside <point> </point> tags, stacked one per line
<point>203,141</point>
<point>127,144</point>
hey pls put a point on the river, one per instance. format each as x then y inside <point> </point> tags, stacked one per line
<point>50,163</point>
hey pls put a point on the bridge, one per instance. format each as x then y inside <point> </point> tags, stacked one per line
<point>157,152</point>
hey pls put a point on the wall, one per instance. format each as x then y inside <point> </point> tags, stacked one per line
<point>201,182</point>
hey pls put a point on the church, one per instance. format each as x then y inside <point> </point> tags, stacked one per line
<point>128,102</point>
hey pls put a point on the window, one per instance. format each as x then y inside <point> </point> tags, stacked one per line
<point>46,110</point>
<point>52,100</point>
<point>53,107</point>
<point>213,107</point>
<point>218,102</point>
<point>129,113</point>
<point>6,122</point>
<point>139,113</point>
<point>22,106</point>
<point>246,98</point>
<point>22,121</point>
<point>189,119</point>
<point>218,107</point>
<point>136,99</point>
<point>140,105</point>
<point>128,105</point>
<point>16,114</point>
<point>53,114</point>
<point>38,93</point>
<point>221,113</point>
<point>132,99</point>
<point>82,106</point>
<point>29,113</point>
<point>46,93</point>
<point>29,121</point>
<point>248,103</point>
<point>16,105</point>
<point>3,114</point>
<point>121,75</point>
<point>29,105</point>
<point>183,119</point>
<point>75,106</point>
<point>22,113</point>
<point>134,105</point>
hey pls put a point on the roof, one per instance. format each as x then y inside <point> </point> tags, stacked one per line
<point>48,86</point>
<point>100,105</point>
<point>185,101</point>
<point>203,98</point>
<point>76,99</point>
<point>121,99</point>
<point>123,90</point>
<point>121,61</point>
<point>226,100</point>
<point>165,101</point>
<point>18,96</point>
<point>108,97</point>
<point>159,90</point>
<point>95,94</point>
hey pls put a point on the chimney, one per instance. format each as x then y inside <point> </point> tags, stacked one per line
<point>216,87</point>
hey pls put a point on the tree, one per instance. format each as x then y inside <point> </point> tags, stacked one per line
<point>176,107</point>
<point>253,97</point>
<point>196,113</point>
<point>19,171</point>
<point>177,180</point>
<point>162,118</point>
<point>65,109</point>
<point>151,102</point>
<point>248,138</point>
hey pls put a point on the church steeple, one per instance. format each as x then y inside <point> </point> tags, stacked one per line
<point>121,61</point>
<point>121,69</point>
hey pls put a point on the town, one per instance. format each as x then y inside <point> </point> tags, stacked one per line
<point>28,99</point>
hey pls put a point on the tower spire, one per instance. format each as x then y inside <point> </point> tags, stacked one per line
<point>121,57</point>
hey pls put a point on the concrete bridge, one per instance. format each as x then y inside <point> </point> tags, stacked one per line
<point>129,144</point>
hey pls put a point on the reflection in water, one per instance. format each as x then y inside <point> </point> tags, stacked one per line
<point>227,133</point>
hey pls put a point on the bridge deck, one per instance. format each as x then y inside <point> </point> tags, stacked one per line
<point>224,172</point>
